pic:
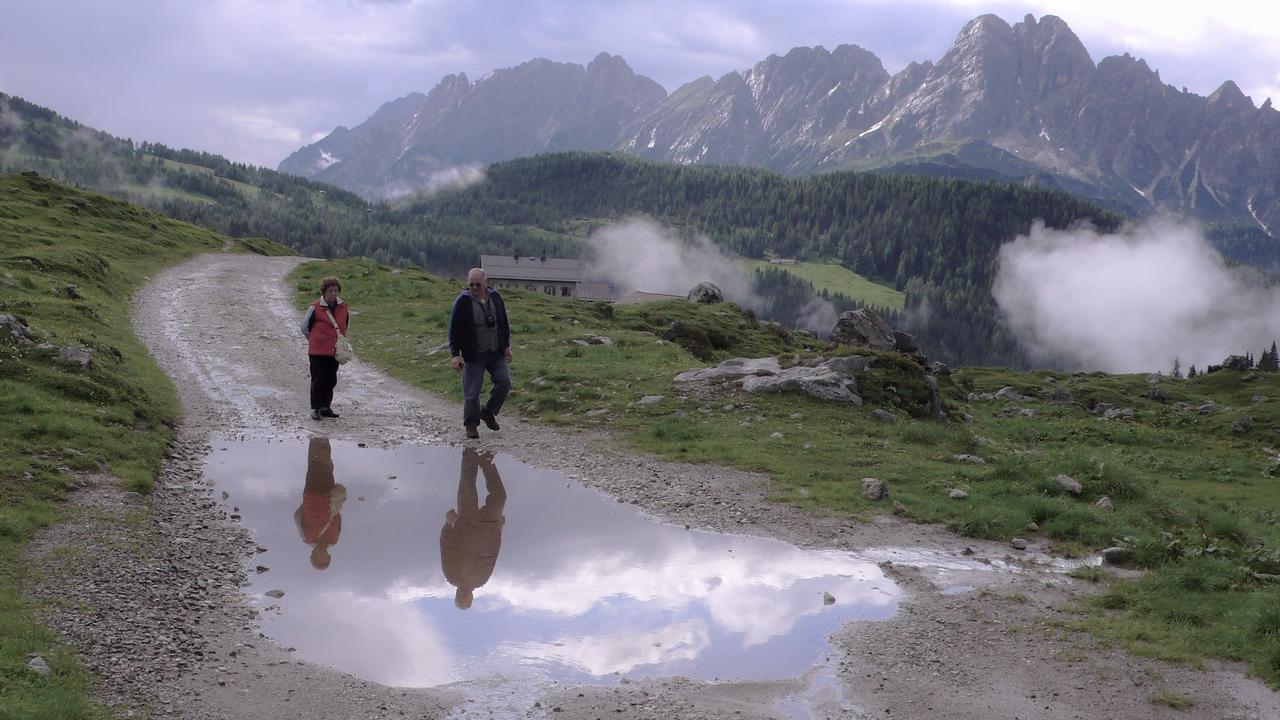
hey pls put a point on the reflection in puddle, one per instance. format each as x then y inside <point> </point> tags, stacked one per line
<point>425,565</point>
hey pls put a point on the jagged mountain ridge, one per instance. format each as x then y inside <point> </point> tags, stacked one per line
<point>1022,102</point>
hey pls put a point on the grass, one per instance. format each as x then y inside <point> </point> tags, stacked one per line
<point>1195,501</point>
<point>58,421</point>
<point>835,278</point>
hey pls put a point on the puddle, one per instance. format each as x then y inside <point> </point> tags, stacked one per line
<point>426,565</point>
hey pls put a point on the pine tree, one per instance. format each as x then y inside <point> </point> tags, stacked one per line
<point>1176,372</point>
<point>1192,372</point>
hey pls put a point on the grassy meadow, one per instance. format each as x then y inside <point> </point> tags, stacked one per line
<point>57,421</point>
<point>1196,503</point>
<point>835,278</point>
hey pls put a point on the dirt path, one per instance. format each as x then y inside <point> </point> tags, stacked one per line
<point>164,621</point>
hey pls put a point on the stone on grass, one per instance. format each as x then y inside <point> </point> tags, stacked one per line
<point>36,664</point>
<point>1070,484</point>
<point>705,293</point>
<point>863,327</point>
<point>874,489</point>
<point>957,494</point>
<point>969,459</point>
<point>882,415</point>
<point>1104,503</point>
<point>899,508</point>
<point>1018,543</point>
<point>1115,555</point>
<point>650,399</point>
<point>1242,425</point>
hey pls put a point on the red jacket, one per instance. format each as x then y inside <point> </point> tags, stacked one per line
<point>321,337</point>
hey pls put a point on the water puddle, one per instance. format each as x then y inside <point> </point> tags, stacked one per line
<point>425,565</point>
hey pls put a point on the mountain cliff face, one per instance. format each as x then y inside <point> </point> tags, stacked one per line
<point>1023,102</point>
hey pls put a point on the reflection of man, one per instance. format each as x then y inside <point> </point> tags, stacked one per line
<point>472,534</point>
<point>318,517</point>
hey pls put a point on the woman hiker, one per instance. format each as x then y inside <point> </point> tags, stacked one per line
<point>324,320</point>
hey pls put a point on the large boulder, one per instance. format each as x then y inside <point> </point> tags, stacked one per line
<point>733,369</point>
<point>820,382</point>
<point>706,293</point>
<point>863,327</point>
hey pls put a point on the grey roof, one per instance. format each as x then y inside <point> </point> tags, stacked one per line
<point>593,291</point>
<point>525,267</point>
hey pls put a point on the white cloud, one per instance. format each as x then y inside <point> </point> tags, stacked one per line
<point>1131,301</point>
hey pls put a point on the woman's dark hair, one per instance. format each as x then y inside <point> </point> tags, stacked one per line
<point>329,282</point>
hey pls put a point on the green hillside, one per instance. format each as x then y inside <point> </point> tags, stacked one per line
<point>835,278</point>
<point>1195,497</point>
<point>69,262</point>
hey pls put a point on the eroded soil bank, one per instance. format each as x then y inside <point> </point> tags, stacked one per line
<point>150,589</point>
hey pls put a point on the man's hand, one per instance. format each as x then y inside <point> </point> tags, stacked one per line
<point>507,352</point>
<point>457,362</point>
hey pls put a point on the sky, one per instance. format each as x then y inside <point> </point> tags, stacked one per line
<point>254,80</point>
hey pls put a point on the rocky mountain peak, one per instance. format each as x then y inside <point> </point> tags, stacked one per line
<point>1229,96</point>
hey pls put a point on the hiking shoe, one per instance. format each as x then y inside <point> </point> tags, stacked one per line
<point>472,432</point>
<point>315,414</point>
<point>326,412</point>
<point>489,420</point>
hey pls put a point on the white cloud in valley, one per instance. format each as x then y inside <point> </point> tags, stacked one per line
<point>1133,300</point>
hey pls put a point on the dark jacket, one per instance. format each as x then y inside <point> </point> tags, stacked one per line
<point>462,331</point>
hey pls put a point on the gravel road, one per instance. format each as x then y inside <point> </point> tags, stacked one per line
<point>149,588</point>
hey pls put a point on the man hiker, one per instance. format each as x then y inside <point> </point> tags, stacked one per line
<point>480,341</point>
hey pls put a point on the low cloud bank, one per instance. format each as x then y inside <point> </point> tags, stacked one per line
<point>639,254</point>
<point>1131,301</point>
<point>457,177</point>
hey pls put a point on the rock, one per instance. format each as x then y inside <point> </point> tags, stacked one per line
<point>828,598</point>
<point>1157,393</point>
<point>1255,400</point>
<point>1010,394</point>
<point>1207,409</point>
<point>936,410</point>
<point>277,594</point>
<point>939,368</point>
<point>1115,555</point>
<point>1118,414</point>
<point>732,369</point>
<point>36,664</point>
<point>820,382</point>
<point>874,489</point>
<point>1033,526</point>
<point>679,414</point>
<point>1062,395</point>
<point>1153,378</point>
<point>863,327</point>
<point>778,329</point>
<point>957,494</point>
<point>1102,408</point>
<point>1104,503</point>
<point>600,340</point>
<point>899,508</point>
<point>905,342</point>
<point>83,358</point>
<point>882,415</point>
<point>776,435</point>
<point>1243,424</point>
<point>705,293</point>
<point>1070,484</point>
<point>597,412</point>
<point>1018,543</point>
<point>650,399</point>
<point>16,327</point>
<point>71,291</point>
<point>848,364</point>
<point>969,459</point>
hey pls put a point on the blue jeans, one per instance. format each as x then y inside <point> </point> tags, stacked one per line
<point>473,380</point>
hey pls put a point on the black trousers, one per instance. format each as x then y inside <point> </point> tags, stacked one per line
<point>324,376</point>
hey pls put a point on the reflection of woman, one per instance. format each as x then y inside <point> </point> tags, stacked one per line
<point>318,518</point>
<point>472,534</point>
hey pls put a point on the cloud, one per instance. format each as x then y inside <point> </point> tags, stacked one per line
<point>639,254</point>
<point>457,177</point>
<point>1131,301</point>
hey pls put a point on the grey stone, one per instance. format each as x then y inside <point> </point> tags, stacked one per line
<point>828,598</point>
<point>1257,399</point>
<point>882,415</point>
<point>732,369</point>
<point>819,382</point>
<point>600,340</point>
<point>1118,414</point>
<point>905,342</point>
<point>776,435</point>
<point>848,364</point>
<point>18,330</point>
<point>1070,484</point>
<point>1207,409</point>
<point>1062,395</point>
<point>650,399</point>
<point>899,508</point>
<point>277,594</point>
<point>1243,424</point>
<point>705,293</point>
<point>957,494</point>
<point>597,412</point>
<point>36,664</point>
<point>875,489</point>
<point>1115,555</point>
<point>863,327</point>
<point>71,291</point>
<point>969,459</point>
<point>1010,394</point>
<point>1104,503</point>
<point>1018,543</point>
